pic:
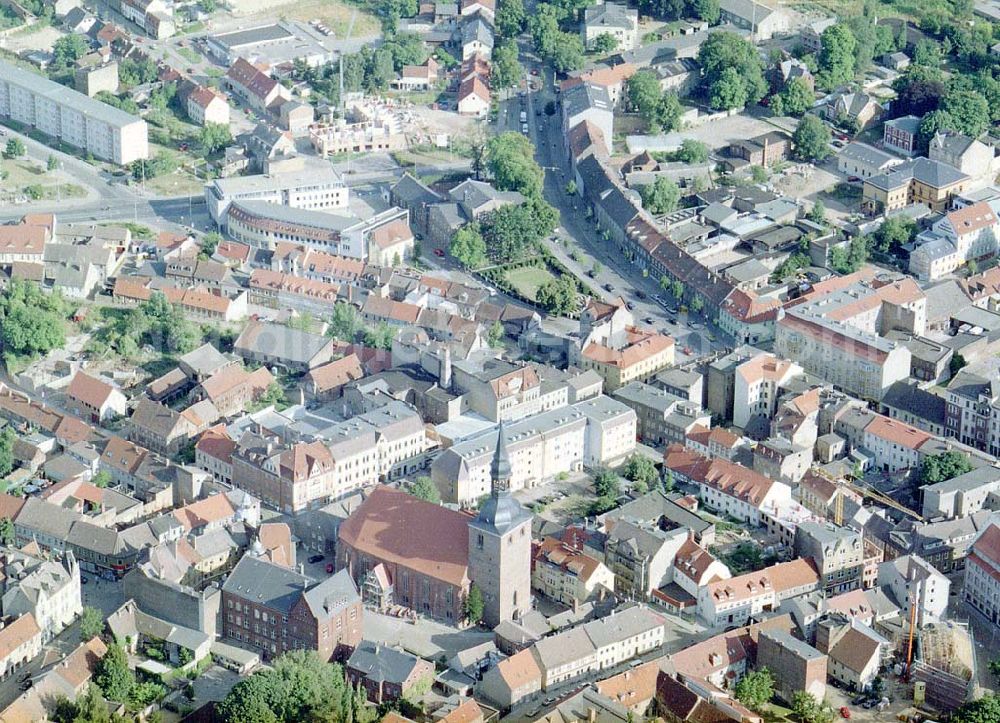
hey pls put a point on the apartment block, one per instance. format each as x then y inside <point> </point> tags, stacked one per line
<point>71,117</point>
<point>837,552</point>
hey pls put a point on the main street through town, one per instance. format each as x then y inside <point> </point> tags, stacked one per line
<point>616,276</point>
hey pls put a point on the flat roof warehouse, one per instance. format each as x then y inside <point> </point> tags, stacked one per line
<point>281,42</point>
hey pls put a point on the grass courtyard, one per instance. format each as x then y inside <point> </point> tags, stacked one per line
<point>528,279</point>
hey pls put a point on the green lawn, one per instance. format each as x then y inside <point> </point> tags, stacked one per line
<point>192,56</point>
<point>528,279</point>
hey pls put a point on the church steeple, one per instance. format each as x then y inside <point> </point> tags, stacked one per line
<point>500,466</point>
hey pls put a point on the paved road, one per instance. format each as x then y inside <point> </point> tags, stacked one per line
<point>577,232</point>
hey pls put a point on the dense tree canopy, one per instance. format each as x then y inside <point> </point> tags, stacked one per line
<point>812,139</point>
<point>732,71</point>
<point>511,19</point>
<point>837,55</point>
<point>755,689</point>
<point>510,160</point>
<point>468,247</point>
<point>942,467</point>
<point>299,686</point>
<point>558,295</point>
<point>794,99</point>
<point>31,321</point>
<point>661,196</point>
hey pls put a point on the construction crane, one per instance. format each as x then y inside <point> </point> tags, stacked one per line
<point>866,491</point>
<point>913,630</point>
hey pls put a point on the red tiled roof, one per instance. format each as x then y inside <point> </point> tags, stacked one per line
<point>396,527</point>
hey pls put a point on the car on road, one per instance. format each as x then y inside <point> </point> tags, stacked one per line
<point>439,253</point>
<point>845,712</point>
<point>84,580</point>
<point>639,294</point>
<point>524,128</point>
<point>313,559</point>
<point>27,684</point>
<point>694,325</point>
<point>629,305</point>
<point>329,567</point>
<point>608,287</point>
<point>649,320</point>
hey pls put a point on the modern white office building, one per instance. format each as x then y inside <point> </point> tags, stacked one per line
<point>315,186</point>
<point>63,113</point>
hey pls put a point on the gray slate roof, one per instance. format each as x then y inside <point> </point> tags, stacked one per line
<point>265,583</point>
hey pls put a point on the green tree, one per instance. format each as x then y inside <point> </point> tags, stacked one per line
<point>817,214</point>
<point>495,335</point>
<point>511,231</point>
<point>812,139</point>
<point>345,322</point>
<point>697,304</point>
<point>919,90</point>
<point>669,111</point>
<point>89,707</point>
<point>604,43</point>
<point>726,51</point>
<point>927,52</point>
<point>424,488</point>
<point>942,467</point>
<point>474,605</point>
<point>468,248</point>
<point>755,689</point>
<point>210,243</point>
<point>544,27</point>
<point>381,336</point>
<point>558,295</point>
<point>31,322</point>
<point>956,364</point>
<point>969,111</point>
<point>677,289</point>
<point>804,706</point>
<point>7,534</point>
<point>938,120</point>
<point>796,98</point>
<point>102,479</point>
<point>68,49</point>
<point>850,259</point>
<point>994,668</point>
<point>511,18</point>
<point>51,164</point>
<point>707,10</point>
<point>641,469</point>
<point>571,188</point>
<point>661,196</point>
<point>894,233</point>
<point>984,710</point>
<point>7,438</point>
<point>729,92</point>
<point>213,137</point>
<point>644,94</point>
<point>837,55</point>
<point>692,151</point>
<point>91,623</point>
<point>505,71</point>
<point>568,53</point>
<point>510,159</point>
<point>114,676</point>
<point>606,484</point>
<point>14,148</point>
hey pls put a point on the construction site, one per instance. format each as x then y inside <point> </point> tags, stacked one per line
<point>944,661</point>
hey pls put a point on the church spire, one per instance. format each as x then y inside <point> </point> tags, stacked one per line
<point>500,467</point>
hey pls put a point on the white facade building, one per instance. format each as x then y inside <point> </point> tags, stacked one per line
<point>74,118</point>
<point>915,583</point>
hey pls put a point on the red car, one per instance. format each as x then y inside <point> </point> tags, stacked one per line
<point>439,253</point>
<point>845,712</point>
<point>329,567</point>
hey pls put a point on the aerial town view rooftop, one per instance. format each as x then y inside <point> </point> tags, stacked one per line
<point>467,361</point>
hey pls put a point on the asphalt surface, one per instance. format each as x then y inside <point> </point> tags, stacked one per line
<point>577,233</point>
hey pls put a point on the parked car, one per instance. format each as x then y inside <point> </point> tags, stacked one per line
<point>329,568</point>
<point>640,294</point>
<point>845,712</point>
<point>439,253</point>
<point>629,305</point>
<point>608,287</point>
<point>313,559</point>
